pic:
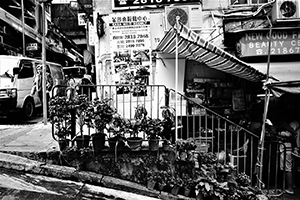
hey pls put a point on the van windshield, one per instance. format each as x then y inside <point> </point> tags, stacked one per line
<point>6,67</point>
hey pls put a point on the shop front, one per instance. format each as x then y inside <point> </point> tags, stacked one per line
<point>211,76</point>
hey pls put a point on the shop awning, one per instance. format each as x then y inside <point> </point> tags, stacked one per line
<point>283,71</point>
<point>279,88</point>
<point>192,46</point>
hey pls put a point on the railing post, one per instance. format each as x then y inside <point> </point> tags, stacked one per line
<point>167,97</point>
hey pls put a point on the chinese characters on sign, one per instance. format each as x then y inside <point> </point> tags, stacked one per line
<point>131,49</point>
<point>130,31</point>
<point>282,42</point>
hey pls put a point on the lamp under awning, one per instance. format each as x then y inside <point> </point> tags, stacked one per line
<point>192,46</point>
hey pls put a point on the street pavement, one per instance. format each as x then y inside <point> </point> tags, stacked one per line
<point>29,138</point>
<point>31,178</point>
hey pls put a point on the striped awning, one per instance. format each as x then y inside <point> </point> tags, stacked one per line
<point>192,46</point>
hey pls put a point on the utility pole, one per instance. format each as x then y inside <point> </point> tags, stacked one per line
<point>23,28</point>
<point>45,117</point>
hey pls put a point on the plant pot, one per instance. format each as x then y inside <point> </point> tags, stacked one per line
<point>98,141</point>
<point>113,141</point>
<point>187,192</point>
<point>135,143</point>
<point>151,184</point>
<point>166,146</point>
<point>153,144</point>
<point>161,186</point>
<point>200,196</point>
<point>63,143</point>
<point>175,189</point>
<point>82,141</point>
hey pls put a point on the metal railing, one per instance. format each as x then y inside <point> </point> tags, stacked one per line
<point>212,131</point>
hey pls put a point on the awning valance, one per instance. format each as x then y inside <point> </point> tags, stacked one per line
<point>192,46</point>
<point>279,88</point>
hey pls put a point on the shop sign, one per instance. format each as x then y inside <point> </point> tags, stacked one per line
<point>126,4</point>
<point>32,47</point>
<point>283,42</point>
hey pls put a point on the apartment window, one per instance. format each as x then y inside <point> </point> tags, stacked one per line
<point>247,2</point>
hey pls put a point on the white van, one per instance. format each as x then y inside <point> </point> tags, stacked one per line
<point>17,76</point>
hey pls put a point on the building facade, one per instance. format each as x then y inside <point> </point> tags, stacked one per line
<point>21,26</point>
<point>128,35</point>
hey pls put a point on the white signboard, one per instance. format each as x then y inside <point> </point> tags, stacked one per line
<point>81,20</point>
<point>130,30</point>
<point>131,51</point>
<point>92,34</point>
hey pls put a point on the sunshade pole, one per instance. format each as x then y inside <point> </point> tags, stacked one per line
<point>260,152</point>
<point>44,66</point>
<point>176,80</point>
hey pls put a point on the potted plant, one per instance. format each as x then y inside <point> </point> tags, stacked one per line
<point>84,113</point>
<point>60,118</point>
<point>188,184</point>
<point>168,115</point>
<point>102,117</point>
<point>184,148</point>
<point>151,179</point>
<point>162,178</point>
<point>175,183</point>
<point>117,129</point>
<point>153,128</point>
<point>135,127</point>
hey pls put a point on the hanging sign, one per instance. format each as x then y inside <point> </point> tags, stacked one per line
<point>283,42</point>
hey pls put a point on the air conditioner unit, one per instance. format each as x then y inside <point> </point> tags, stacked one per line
<point>190,15</point>
<point>286,10</point>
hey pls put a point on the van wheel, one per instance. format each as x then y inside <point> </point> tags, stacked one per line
<point>28,109</point>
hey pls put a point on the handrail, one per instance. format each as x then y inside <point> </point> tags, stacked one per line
<point>215,113</point>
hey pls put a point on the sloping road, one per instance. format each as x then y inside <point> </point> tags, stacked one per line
<point>25,186</point>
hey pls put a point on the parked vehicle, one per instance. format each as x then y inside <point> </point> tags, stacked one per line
<point>74,74</point>
<point>17,77</point>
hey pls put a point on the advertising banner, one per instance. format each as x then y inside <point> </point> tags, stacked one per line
<point>130,45</point>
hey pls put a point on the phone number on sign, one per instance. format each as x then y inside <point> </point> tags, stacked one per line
<point>276,51</point>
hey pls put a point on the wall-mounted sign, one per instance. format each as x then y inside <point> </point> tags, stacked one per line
<point>81,19</point>
<point>131,51</point>
<point>283,42</point>
<point>32,47</point>
<point>125,4</point>
<point>130,30</point>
